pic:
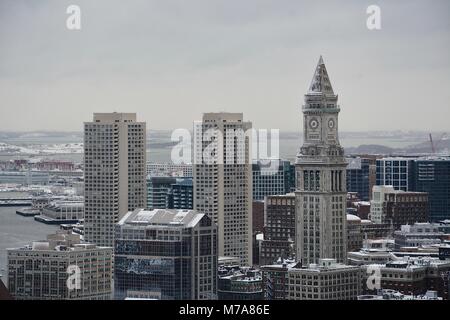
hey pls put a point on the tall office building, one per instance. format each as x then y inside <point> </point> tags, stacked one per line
<point>114,164</point>
<point>166,255</point>
<point>279,228</point>
<point>432,175</point>
<point>169,192</point>
<point>396,172</point>
<point>321,177</point>
<point>159,192</point>
<point>223,180</point>
<point>275,178</point>
<point>360,176</point>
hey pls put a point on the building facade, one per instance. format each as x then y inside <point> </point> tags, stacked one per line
<point>223,180</point>
<point>236,283</point>
<point>321,177</point>
<point>64,210</point>
<point>398,207</point>
<point>45,269</point>
<point>432,175</point>
<point>114,170</point>
<point>183,193</point>
<point>165,255</point>
<point>276,280</point>
<point>159,192</point>
<point>279,228</point>
<point>413,275</point>
<point>169,170</point>
<point>396,172</point>
<point>169,192</point>
<point>275,177</point>
<point>326,280</point>
<point>354,234</point>
<point>418,235</point>
<point>358,177</point>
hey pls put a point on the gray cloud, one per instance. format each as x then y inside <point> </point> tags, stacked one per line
<point>169,61</point>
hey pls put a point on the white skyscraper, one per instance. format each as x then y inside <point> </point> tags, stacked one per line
<point>115,172</point>
<point>223,180</point>
<point>320,177</point>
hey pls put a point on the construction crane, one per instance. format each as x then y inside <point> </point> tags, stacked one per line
<point>434,146</point>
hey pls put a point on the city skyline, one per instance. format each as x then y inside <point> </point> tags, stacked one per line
<point>255,195</point>
<point>186,60</point>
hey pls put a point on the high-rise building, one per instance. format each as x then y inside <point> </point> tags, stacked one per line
<point>279,229</point>
<point>114,171</point>
<point>396,172</point>
<point>183,193</point>
<point>358,177</point>
<point>277,177</point>
<point>61,268</point>
<point>432,175</point>
<point>166,255</point>
<point>398,207</point>
<point>223,180</point>
<point>169,192</point>
<point>159,192</point>
<point>321,177</point>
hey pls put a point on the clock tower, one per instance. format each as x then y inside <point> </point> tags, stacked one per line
<point>321,177</point>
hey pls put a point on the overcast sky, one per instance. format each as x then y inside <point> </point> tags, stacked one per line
<point>169,61</point>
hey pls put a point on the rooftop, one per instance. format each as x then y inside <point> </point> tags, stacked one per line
<point>162,217</point>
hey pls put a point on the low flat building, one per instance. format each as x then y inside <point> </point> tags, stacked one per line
<point>388,294</point>
<point>25,178</point>
<point>45,270</point>
<point>371,230</point>
<point>354,234</point>
<point>418,235</point>
<point>412,275</point>
<point>398,207</point>
<point>327,280</point>
<point>64,211</point>
<point>275,279</point>
<point>239,283</point>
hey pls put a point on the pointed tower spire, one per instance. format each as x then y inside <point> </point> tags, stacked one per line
<point>320,83</point>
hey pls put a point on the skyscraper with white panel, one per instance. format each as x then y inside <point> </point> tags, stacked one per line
<point>223,180</point>
<point>115,172</point>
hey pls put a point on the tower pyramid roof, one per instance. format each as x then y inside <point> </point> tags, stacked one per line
<point>320,83</point>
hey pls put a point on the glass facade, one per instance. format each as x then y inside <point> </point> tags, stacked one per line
<point>169,193</point>
<point>358,177</point>
<point>396,172</point>
<point>433,176</point>
<point>276,178</point>
<point>166,259</point>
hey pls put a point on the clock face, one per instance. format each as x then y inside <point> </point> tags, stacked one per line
<point>331,123</point>
<point>313,124</point>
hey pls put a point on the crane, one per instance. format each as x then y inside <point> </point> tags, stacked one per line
<point>435,145</point>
